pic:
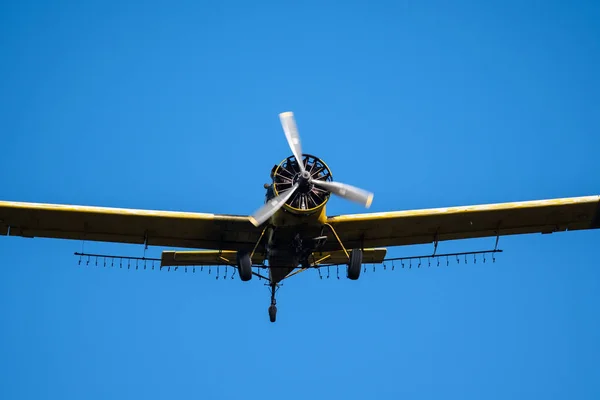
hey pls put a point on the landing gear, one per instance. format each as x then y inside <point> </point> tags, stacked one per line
<point>244,264</point>
<point>273,307</point>
<point>272,313</point>
<point>355,264</point>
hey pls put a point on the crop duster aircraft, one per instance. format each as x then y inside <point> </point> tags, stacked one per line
<point>291,232</point>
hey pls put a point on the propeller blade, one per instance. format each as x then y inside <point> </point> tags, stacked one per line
<point>293,137</point>
<point>346,191</point>
<point>271,207</point>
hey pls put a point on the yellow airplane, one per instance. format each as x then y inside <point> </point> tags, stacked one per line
<point>291,232</point>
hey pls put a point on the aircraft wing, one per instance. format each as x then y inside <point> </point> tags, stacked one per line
<point>425,226</point>
<point>156,228</point>
<point>370,256</point>
<point>204,257</point>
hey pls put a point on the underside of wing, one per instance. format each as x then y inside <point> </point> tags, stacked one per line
<point>428,225</point>
<point>155,228</point>
<point>204,257</point>
<point>370,256</point>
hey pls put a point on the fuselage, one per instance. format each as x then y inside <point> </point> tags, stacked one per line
<point>295,230</point>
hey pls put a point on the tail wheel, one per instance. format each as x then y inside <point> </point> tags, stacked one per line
<point>244,265</point>
<point>355,264</point>
<point>272,313</point>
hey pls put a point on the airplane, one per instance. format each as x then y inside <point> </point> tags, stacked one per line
<point>291,232</point>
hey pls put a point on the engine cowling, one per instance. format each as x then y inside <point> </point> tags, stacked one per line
<point>308,199</point>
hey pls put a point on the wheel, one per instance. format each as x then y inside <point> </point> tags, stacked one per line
<point>244,265</point>
<point>272,313</point>
<point>355,264</point>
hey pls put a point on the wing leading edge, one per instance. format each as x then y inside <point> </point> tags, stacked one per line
<point>425,226</point>
<point>156,228</point>
<point>216,231</point>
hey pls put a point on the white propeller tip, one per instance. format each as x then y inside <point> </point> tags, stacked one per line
<point>254,221</point>
<point>369,200</point>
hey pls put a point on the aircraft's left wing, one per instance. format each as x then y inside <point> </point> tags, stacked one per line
<point>425,226</point>
<point>155,228</point>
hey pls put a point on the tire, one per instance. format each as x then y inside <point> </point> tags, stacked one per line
<point>272,313</point>
<point>355,264</point>
<point>244,266</point>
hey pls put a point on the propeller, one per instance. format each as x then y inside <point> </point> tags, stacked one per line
<point>343,190</point>
<point>271,206</point>
<point>293,137</point>
<point>348,192</point>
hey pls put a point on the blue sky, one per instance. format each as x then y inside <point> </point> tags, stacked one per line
<point>173,105</point>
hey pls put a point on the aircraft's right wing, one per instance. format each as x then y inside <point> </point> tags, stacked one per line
<point>153,227</point>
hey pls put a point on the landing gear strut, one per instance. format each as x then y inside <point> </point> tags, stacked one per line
<point>273,307</point>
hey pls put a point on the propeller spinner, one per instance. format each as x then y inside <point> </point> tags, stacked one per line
<point>304,178</point>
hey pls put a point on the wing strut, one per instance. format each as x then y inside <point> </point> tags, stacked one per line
<point>258,241</point>
<point>338,239</point>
